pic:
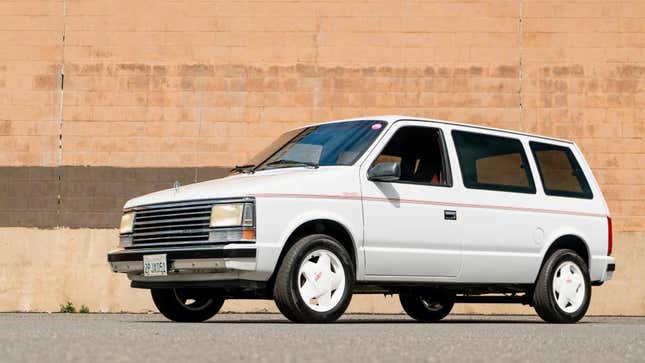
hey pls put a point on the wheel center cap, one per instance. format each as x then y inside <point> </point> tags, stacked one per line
<point>322,279</point>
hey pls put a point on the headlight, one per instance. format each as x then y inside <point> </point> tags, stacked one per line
<point>127,221</point>
<point>227,215</point>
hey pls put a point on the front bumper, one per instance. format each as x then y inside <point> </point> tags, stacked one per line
<point>190,263</point>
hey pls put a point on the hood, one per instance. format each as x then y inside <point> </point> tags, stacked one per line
<point>326,179</point>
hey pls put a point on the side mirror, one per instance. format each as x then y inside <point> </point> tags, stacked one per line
<point>384,172</point>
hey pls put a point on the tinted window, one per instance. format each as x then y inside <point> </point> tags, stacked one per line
<point>560,172</point>
<point>493,162</point>
<point>339,143</point>
<point>420,151</point>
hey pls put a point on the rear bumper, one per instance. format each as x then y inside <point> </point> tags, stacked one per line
<point>609,264</point>
<point>232,261</point>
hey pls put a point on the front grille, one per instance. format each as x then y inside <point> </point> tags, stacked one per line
<point>172,222</point>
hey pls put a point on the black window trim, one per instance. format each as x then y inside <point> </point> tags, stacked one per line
<point>445,158</point>
<point>531,189</point>
<point>580,174</point>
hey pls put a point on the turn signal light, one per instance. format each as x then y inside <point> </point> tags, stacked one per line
<point>248,234</point>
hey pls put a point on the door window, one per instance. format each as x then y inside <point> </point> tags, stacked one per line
<point>493,162</point>
<point>421,154</point>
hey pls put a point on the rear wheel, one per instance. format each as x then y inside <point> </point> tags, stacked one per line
<point>186,305</point>
<point>427,307</point>
<point>563,290</point>
<point>314,282</point>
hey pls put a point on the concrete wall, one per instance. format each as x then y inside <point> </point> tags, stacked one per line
<point>102,100</point>
<point>61,265</point>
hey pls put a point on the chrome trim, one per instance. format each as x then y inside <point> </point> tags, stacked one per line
<point>192,202</point>
<point>180,244</point>
<point>228,246</point>
<point>203,230</point>
<point>211,241</point>
<point>196,259</point>
<point>187,211</point>
<point>178,236</point>
<point>176,225</point>
<point>171,209</point>
<point>190,265</point>
<point>175,220</point>
<point>183,222</point>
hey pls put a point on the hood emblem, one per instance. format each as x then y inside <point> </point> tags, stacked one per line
<point>176,186</point>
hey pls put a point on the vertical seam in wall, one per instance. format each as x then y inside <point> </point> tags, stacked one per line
<point>62,90</point>
<point>199,133</point>
<point>317,38</point>
<point>316,88</point>
<point>201,105</point>
<point>521,70</point>
<point>59,154</point>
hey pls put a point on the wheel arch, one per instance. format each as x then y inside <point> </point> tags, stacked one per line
<point>328,226</point>
<point>571,241</point>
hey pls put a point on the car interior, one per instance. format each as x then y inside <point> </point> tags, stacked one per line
<point>419,151</point>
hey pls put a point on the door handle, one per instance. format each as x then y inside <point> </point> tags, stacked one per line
<point>450,215</point>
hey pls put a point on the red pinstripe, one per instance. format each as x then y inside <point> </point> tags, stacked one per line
<point>355,196</point>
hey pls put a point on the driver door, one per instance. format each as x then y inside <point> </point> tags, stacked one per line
<point>410,227</point>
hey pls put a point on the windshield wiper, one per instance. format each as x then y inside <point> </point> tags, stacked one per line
<point>308,164</point>
<point>243,168</point>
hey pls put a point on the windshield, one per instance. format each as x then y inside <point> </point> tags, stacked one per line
<point>339,143</point>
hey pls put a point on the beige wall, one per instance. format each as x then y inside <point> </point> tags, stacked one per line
<point>41,269</point>
<point>208,83</point>
<point>158,85</point>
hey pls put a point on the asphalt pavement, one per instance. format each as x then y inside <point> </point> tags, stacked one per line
<point>355,338</point>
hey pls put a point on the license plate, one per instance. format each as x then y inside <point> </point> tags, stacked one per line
<point>155,265</point>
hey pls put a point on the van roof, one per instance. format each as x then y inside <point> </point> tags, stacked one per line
<point>393,118</point>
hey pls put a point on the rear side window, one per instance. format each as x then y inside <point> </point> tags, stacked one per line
<point>493,162</point>
<point>560,172</point>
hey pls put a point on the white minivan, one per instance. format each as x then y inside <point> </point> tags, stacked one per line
<point>434,211</point>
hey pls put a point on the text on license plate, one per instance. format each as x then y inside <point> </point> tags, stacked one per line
<point>155,265</point>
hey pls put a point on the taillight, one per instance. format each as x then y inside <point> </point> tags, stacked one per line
<point>610,236</point>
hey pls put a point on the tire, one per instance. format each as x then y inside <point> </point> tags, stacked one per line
<point>427,308</point>
<point>174,304</point>
<point>563,290</point>
<point>314,282</point>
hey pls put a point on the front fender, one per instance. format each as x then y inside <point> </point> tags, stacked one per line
<point>278,218</point>
<point>313,215</point>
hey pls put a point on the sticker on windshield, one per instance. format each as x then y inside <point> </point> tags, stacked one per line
<point>377,126</point>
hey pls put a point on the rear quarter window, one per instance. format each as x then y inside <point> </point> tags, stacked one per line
<point>560,172</point>
<point>493,162</point>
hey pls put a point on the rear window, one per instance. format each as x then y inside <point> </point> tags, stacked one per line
<point>493,162</point>
<point>560,172</point>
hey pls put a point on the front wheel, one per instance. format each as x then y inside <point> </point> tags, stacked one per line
<point>563,290</point>
<point>186,305</point>
<point>430,307</point>
<point>314,282</point>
